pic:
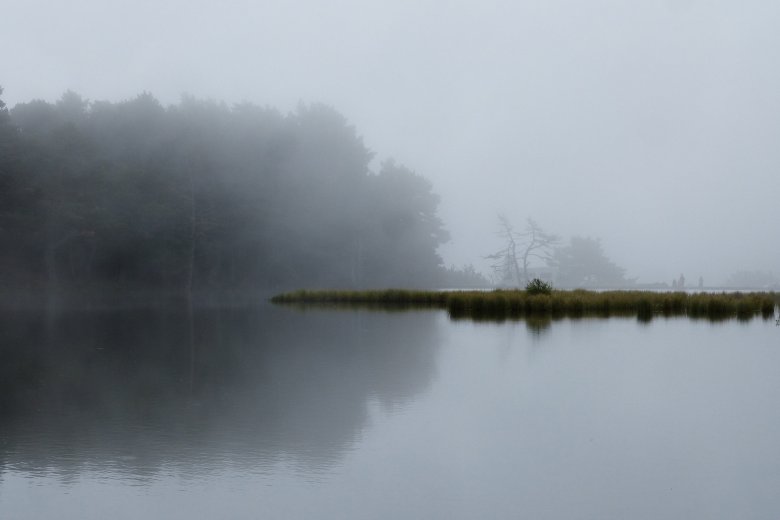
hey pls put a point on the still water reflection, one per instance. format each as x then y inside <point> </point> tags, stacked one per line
<point>279,413</point>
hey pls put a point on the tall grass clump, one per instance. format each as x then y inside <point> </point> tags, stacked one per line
<point>538,303</point>
<point>538,286</point>
<point>644,309</point>
<point>674,304</point>
<point>767,307</point>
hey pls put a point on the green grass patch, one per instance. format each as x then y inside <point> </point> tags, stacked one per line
<point>514,304</point>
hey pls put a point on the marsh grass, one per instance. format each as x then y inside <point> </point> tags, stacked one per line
<point>514,304</point>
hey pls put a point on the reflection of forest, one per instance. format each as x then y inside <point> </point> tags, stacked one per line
<point>125,390</point>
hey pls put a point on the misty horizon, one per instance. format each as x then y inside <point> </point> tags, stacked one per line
<point>651,127</point>
<point>389,259</point>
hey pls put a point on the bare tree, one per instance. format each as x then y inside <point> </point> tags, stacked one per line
<point>520,249</point>
<point>505,264</point>
<point>538,244</point>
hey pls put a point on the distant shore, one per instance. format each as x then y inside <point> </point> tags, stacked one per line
<point>488,304</point>
<point>509,304</point>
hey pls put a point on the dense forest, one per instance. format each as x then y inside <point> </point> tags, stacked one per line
<point>202,196</point>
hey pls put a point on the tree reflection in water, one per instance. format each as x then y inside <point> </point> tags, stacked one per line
<point>137,391</point>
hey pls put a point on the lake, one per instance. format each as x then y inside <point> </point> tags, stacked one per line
<point>275,412</point>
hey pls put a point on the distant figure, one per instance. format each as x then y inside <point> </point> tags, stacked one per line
<point>674,283</point>
<point>701,283</point>
<point>681,282</point>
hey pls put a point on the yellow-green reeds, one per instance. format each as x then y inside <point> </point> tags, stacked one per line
<point>513,304</point>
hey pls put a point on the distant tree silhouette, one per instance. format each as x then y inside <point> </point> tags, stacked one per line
<point>520,248</point>
<point>582,263</point>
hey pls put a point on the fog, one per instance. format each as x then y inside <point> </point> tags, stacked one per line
<point>651,125</point>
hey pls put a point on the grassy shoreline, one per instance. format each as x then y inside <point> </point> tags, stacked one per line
<point>514,304</point>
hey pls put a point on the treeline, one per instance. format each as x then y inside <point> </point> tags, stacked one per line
<point>201,195</point>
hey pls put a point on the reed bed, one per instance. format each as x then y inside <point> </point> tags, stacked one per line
<point>513,304</point>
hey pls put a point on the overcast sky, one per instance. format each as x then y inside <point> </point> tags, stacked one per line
<point>653,125</point>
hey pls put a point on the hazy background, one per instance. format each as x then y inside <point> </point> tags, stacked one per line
<point>653,125</point>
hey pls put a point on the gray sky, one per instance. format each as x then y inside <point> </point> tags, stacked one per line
<point>653,125</point>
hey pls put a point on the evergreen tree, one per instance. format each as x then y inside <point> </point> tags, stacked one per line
<point>201,196</point>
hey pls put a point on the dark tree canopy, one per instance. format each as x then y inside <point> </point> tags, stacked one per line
<point>205,195</point>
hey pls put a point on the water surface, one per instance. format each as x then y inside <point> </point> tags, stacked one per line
<point>279,413</point>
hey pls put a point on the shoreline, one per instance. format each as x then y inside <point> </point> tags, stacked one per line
<point>499,305</point>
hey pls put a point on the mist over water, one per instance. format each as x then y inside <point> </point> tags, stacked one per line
<point>167,166</point>
<point>651,126</point>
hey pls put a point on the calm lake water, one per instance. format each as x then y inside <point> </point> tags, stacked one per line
<point>281,413</point>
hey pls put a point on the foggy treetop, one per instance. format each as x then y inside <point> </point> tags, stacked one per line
<point>199,195</point>
<point>652,125</point>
